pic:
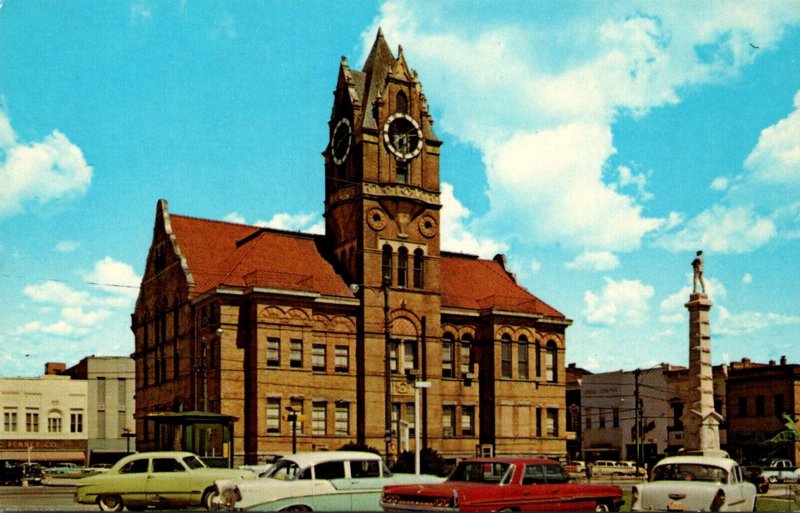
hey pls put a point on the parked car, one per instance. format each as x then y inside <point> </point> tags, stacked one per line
<point>576,467</point>
<point>755,475</point>
<point>616,468</point>
<point>504,484</point>
<point>162,479</point>
<point>778,470</point>
<point>317,481</point>
<point>695,483</point>
<point>65,468</point>
<point>11,471</point>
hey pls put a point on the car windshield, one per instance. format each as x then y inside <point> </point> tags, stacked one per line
<point>193,462</point>
<point>689,472</point>
<point>285,470</point>
<point>481,472</point>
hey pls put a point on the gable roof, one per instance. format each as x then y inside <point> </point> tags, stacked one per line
<point>220,254</point>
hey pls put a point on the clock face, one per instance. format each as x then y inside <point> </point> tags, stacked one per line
<point>340,140</point>
<point>402,136</point>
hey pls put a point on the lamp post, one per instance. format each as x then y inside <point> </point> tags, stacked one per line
<point>292,417</point>
<point>417,420</point>
<point>387,367</point>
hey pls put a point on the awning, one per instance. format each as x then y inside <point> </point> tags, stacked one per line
<point>45,455</point>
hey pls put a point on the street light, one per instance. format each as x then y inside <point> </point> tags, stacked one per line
<point>292,417</point>
<point>203,367</point>
<point>387,369</point>
<point>417,421</point>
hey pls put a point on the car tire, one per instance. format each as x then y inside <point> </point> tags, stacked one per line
<point>110,503</point>
<point>208,499</point>
<point>601,506</point>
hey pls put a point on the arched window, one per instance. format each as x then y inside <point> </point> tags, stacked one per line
<point>448,355</point>
<point>419,272</point>
<point>522,358</point>
<point>551,363</point>
<point>54,422</point>
<point>465,354</point>
<point>505,356</point>
<point>386,266</point>
<point>401,103</point>
<point>402,266</point>
<point>537,355</point>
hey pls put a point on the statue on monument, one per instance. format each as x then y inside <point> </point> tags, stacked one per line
<point>697,265</point>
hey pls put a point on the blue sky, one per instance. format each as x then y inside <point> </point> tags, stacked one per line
<point>597,144</point>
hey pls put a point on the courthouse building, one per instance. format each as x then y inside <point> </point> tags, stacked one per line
<point>259,324</point>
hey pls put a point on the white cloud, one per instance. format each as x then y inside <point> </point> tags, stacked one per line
<point>594,260</point>
<point>749,322</point>
<point>723,230</point>
<point>719,183</point>
<point>309,223</point>
<point>140,12</point>
<point>77,315</point>
<point>67,246</point>
<point>776,157</point>
<point>113,276</point>
<point>626,178</point>
<point>535,266</point>
<point>455,233</point>
<point>234,217</point>
<point>747,278</point>
<point>624,301</point>
<point>53,292</point>
<point>672,309</point>
<point>45,171</point>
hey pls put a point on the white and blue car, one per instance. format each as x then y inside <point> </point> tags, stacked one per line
<point>317,481</point>
<point>694,483</point>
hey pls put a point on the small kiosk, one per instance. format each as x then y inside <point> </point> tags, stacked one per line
<point>209,435</point>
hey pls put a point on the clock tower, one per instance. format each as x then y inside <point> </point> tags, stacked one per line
<point>382,203</point>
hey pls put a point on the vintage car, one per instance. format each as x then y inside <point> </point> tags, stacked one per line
<point>694,483</point>
<point>504,484</point>
<point>162,479</point>
<point>317,481</point>
<point>755,475</point>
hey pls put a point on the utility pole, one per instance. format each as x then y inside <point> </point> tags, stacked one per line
<point>387,334</point>
<point>638,418</point>
<point>204,371</point>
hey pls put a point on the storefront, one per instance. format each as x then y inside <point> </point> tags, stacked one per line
<point>45,452</point>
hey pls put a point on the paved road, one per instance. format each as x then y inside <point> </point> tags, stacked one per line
<point>41,498</point>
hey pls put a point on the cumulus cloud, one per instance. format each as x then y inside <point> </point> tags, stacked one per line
<point>721,229</point>
<point>53,292</point>
<point>776,157</point>
<point>310,223</point>
<point>595,261</point>
<point>455,233</point>
<point>747,278</point>
<point>113,276</point>
<point>234,217</point>
<point>672,309</point>
<point>749,322</point>
<point>67,246</point>
<point>39,172</point>
<point>623,301</point>
<point>719,183</point>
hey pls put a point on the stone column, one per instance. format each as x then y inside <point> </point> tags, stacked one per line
<point>700,421</point>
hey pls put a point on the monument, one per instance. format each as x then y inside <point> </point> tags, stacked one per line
<point>701,421</point>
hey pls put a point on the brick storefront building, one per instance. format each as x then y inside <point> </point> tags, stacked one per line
<point>249,322</point>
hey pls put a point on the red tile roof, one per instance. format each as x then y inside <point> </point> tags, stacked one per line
<point>473,283</point>
<point>220,253</point>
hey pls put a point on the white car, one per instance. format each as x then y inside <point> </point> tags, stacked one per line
<point>694,483</point>
<point>317,481</point>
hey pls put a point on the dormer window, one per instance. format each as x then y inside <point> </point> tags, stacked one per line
<point>401,102</point>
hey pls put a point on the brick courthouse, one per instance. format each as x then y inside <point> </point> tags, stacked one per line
<point>251,322</point>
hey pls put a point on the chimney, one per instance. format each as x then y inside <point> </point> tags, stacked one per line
<point>51,368</point>
<point>783,360</point>
<point>772,363</point>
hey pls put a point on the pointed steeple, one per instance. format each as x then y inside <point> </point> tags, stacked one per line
<point>380,57</point>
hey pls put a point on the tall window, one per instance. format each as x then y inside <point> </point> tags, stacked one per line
<point>401,104</point>
<point>743,406</point>
<point>401,167</point>
<point>777,402</point>
<point>10,421</point>
<point>54,422</point>
<point>32,422</point>
<point>552,422</point>
<point>341,359</point>
<point>505,356</point>
<point>448,345</point>
<point>318,418</point>
<point>522,358</point>
<point>448,420</point>
<point>296,353</point>
<point>602,419</point>
<point>76,422</point>
<point>588,416</point>
<point>551,362</point>
<point>537,355</point>
<point>386,263</point>
<point>539,422</point>
<point>464,354</point>
<point>615,417</point>
<point>411,418</point>
<point>761,408</point>
<point>409,355</point>
<point>419,271</point>
<point>342,419</point>
<point>467,420</point>
<point>273,352</point>
<point>273,415</point>
<point>318,358</point>
<point>402,266</point>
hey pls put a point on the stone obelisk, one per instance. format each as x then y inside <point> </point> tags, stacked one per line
<point>700,421</point>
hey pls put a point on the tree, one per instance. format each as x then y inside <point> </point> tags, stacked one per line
<point>430,463</point>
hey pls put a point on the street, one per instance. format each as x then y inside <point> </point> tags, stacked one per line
<point>41,498</point>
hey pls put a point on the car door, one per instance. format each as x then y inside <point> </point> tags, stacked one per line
<point>365,484</point>
<point>168,483</point>
<point>535,493</point>
<point>330,486</point>
<point>131,482</point>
